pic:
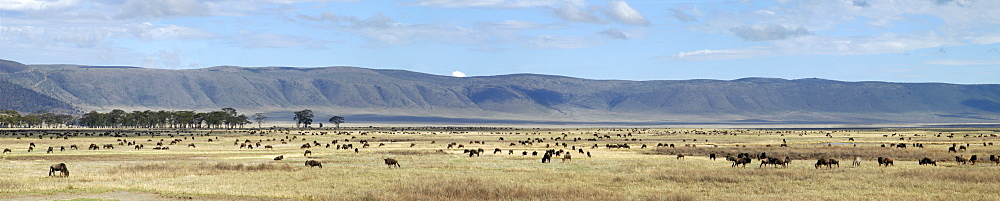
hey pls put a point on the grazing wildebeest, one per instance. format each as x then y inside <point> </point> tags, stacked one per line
<point>5,151</point>
<point>711,156</point>
<point>927,161</point>
<point>391,162</point>
<point>961,148</point>
<point>61,167</point>
<point>279,157</point>
<point>74,147</point>
<point>961,160</point>
<point>191,145</point>
<point>822,162</point>
<point>566,157</point>
<point>832,162</point>
<point>496,150</point>
<point>742,161</point>
<point>973,159</point>
<point>50,150</point>
<point>547,158</point>
<point>885,161</point>
<point>857,161</point>
<point>307,153</point>
<point>952,149</point>
<point>995,159</point>
<point>314,163</point>
<point>680,156</point>
<point>268,147</point>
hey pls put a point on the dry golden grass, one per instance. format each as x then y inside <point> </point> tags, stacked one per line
<point>220,171</point>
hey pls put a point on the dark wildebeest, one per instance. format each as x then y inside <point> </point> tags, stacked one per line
<point>711,156</point>
<point>566,157</point>
<point>191,145</point>
<point>822,162</point>
<point>313,163</point>
<point>885,161</point>
<point>547,158</point>
<point>680,156</point>
<point>279,157</point>
<point>307,153</point>
<point>742,161</point>
<point>927,161</point>
<point>74,147</point>
<point>857,161</point>
<point>391,162</point>
<point>50,150</point>
<point>973,159</point>
<point>961,160</point>
<point>995,159</point>
<point>952,149</point>
<point>61,167</point>
<point>268,147</point>
<point>832,162</point>
<point>5,151</point>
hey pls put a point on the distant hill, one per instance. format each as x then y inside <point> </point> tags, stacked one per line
<point>17,98</point>
<point>404,96</point>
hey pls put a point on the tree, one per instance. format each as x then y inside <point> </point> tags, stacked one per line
<point>337,120</point>
<point>9,118</point>
<point>304,117</point>
<point>259,118</point>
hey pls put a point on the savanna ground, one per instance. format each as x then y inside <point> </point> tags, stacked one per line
<point>220,170</point>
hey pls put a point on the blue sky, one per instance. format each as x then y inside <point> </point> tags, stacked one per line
<point>954,41</point>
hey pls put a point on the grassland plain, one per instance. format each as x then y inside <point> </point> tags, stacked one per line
<point>221,170</point>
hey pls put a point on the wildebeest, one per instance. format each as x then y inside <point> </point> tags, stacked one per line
<point>739,161</point>
<point>6,151</point>
<point>711,156</point>
<point>952,149</point>
<point>995,159</point>
<point>973,159</point>
<point>961,160</point>
<point>391,162</point>
<point>833,162</point>
<point>680,156</point>
<point>307,153</point>
<point>566,157</point>
<point>927,161</point>
<point>61,167</point>
<point>857,161</point>
<point>268,147</point>
<point>279,157</point>
<point>50,150</point>
<point>314,163</point>
<point>547,158</point>
<point>885,161</point>
<point>191,145</point>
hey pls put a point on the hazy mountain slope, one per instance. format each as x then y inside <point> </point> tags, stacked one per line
<point>359,91</point>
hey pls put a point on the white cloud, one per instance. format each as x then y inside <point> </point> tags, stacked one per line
<point>621,11</point>
<point>164,59</point>
<point>615,33</point>
<point>707,54</point>
<point>30,5</point>
<point>576,14</point>
<point>384,31</point>
<point>497,3</point>
<point>268,40</point>
<point>765,32</point>
<point>152,9</point>
<point>964,62</point>
<point>458,74</point>
<point>563,42</point>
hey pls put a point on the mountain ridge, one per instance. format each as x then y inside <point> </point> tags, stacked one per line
<point>345,91</point>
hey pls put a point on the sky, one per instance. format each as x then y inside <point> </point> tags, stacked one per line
<point>952,41</point>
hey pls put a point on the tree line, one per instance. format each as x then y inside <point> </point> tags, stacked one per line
<point>117,118</point>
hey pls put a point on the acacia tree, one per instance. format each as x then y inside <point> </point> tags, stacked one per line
<point>259,118</point>
<point>337,120</point>
<point>303,117</point>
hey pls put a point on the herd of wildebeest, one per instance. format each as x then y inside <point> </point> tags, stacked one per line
<point>553,146</point>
